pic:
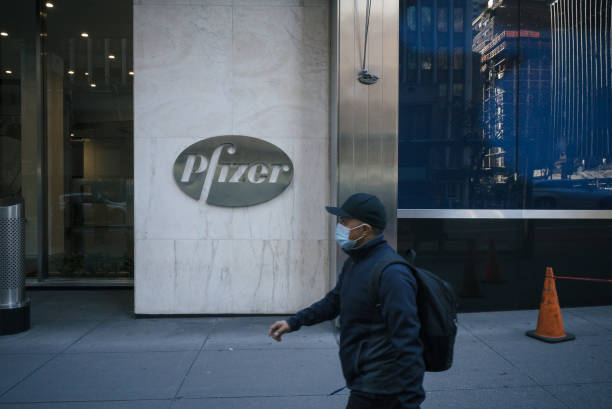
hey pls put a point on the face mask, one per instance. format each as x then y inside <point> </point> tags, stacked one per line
<point>342,236</point>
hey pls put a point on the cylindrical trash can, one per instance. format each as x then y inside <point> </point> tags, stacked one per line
<point>14,306</point>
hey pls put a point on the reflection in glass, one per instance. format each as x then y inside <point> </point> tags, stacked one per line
<point>18,108</point>
<point>500,264</point>
<point>503,109</point>
<point>90,138</point>
<point>573,171</point>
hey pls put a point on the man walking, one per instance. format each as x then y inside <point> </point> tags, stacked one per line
<point>380,349</point>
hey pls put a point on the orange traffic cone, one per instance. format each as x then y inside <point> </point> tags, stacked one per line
<point>492,274</point>
<point>550,323</point>
<point>470,286</point>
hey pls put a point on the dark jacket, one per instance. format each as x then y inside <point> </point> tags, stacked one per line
<point>380,349</point>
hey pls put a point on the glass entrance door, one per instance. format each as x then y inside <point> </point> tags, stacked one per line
<point>88,73</point>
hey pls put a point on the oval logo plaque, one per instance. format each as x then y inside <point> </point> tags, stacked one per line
<point>233,171</point>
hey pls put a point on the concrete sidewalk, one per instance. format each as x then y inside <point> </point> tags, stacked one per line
<point>86,350</point>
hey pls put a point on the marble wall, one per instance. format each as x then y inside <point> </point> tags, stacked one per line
<point>213,67</point>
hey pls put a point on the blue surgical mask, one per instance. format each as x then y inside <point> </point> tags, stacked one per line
<point>342,236</point>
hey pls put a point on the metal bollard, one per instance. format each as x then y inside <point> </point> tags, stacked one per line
<point>14,306</point>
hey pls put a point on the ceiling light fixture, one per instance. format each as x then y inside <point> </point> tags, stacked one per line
<point>3,34</point>
<point>92,85</point>
<point>49,4</point>
<point>70,72</point>
<point>8,72</point>
<point>131,72</point>
<point>111,56</point>
<point>84,35</point>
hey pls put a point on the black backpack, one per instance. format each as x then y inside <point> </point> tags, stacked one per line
<point>437,308</point>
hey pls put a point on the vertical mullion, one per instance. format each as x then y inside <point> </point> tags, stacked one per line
<point>434,48</point>
<point>517,93</point>
<point>419,47</point>
<point>451,63</point>
<point>608,31</point>
<point>552,69</point>
<point>566,68</point>
<point>41,131</point>
<point>582,121</point>
<point>574,71</point>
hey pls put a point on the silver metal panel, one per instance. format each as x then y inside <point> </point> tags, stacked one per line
<point>12,255</point>
<point>367,114</point>
<point>333,129</point>
<point>389,125</point>
<point>12,211</point>
<point>502,214</point>
<point>12,297</point>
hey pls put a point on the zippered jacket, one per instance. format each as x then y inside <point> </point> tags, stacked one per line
<point>380,348</point>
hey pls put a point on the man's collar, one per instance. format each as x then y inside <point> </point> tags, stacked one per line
<point>365,248</point>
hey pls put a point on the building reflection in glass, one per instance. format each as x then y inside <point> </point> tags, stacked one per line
<point>515,78</point>
<point>438,144</point>
<point>513,112</point>
<point>505,104</point>
<point>577,172</point>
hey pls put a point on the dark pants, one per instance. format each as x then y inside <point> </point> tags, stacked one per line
<point>364,400</point>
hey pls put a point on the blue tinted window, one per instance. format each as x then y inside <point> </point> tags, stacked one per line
<point>503,113</point>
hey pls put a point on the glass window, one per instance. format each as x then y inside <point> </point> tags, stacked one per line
<point>458,19</point>
<point>425,18</point>
<point>89,99</point>
<point>442,90</point>
<point>458,58</point>
<point>533,133</point>
<point>410,17</point>
<point>443,58</point>
<point>497,264</point>
<point>19,102</point>
<point>426,62</point>
<point>458,90</point>
<point>443,20</point>
<point>66,131</point>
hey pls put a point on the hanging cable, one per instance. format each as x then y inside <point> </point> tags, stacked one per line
<point>364,76</point>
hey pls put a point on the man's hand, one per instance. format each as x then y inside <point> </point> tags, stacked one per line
<point>278,329</point>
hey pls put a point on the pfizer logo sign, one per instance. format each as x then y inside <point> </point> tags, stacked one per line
<point>233,171</point>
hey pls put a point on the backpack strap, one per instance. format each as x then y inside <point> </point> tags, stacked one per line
<point>379,267</point>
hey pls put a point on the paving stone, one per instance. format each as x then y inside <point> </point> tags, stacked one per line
<point>89,305</point>
<point>86,350</point>
<point>591,396</point>
<point>290,402</point>
<point>476,366</point>
<point>263,372</point>
<point>119,404</point>
<point>586,359</point>
<point>494,398</point>
<point>138,335</point>
<point>17,367</point>
<point>252,332</point>
<point>598,317</point>
<point>46,337</point>
<point>105,376</point>
<point>512,325</point>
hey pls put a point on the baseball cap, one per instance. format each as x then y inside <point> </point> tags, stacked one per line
<point>362,206</point>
